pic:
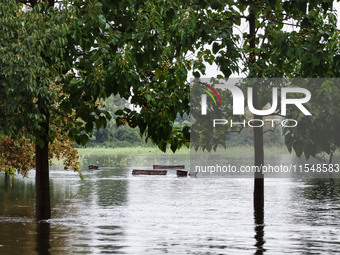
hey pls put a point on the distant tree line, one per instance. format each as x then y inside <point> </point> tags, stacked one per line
<point>114,136</point>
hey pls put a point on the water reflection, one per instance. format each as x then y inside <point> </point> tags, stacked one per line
<point>105,160</point>
<point>112,211</point>
<point>111,192</point>
<point>259,229</point>
<point>6,184</point>
<point>259,213</point>
<point>43,238</point>
<point>321,189</point>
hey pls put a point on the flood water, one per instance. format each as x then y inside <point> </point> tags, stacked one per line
<point>113,212</point>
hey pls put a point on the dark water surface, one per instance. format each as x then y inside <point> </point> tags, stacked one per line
<point>113,212</point>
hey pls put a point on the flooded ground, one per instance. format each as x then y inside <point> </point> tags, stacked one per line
<point>113,212</point>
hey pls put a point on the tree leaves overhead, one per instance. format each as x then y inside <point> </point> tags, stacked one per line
<point>35,54</point>
<point>317,133</point>
<point>143,51</point>
<point>143,48</point>
<point>292,39</point>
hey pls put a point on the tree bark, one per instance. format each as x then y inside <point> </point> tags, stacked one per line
<point>258,131</point>
<point>42,180</point>
<point>12,181</point>
<point>6,180</point>
<point>330,158</point>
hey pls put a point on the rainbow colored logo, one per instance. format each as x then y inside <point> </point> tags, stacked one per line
<point>209,93</point>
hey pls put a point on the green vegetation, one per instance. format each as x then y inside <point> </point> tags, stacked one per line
<point>127,150</point>
<point>60,59</point>
<point>113,136</point>
<point>235,151</point>
<point>230,151</point>
<point>290,39</point>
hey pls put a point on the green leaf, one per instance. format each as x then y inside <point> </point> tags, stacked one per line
<point>215,47</point>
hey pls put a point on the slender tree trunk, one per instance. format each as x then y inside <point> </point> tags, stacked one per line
<point>330,158</point>
<point>258,131</point>
<point>12,181</point>
<point>258,151</point>
<point>259,161</point>
<point>42,181</point>
<point>6,180</point>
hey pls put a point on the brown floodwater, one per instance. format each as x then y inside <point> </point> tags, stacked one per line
<point>111,211</point>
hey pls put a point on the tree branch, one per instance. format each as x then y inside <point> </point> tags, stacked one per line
<point>232,18</point>
<point>271,130</point>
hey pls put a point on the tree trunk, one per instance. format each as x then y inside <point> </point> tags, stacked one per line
<point>330,158</point>
<point>12,181</point>
<point>42,181</point>
<point>42,178</point>
<point>259,161</point>
<point>258,150</point>
<point>6,179</point>
<point>258,131</point>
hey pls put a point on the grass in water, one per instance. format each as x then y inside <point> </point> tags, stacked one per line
<point>128,150</point>
<point>232,151</point>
